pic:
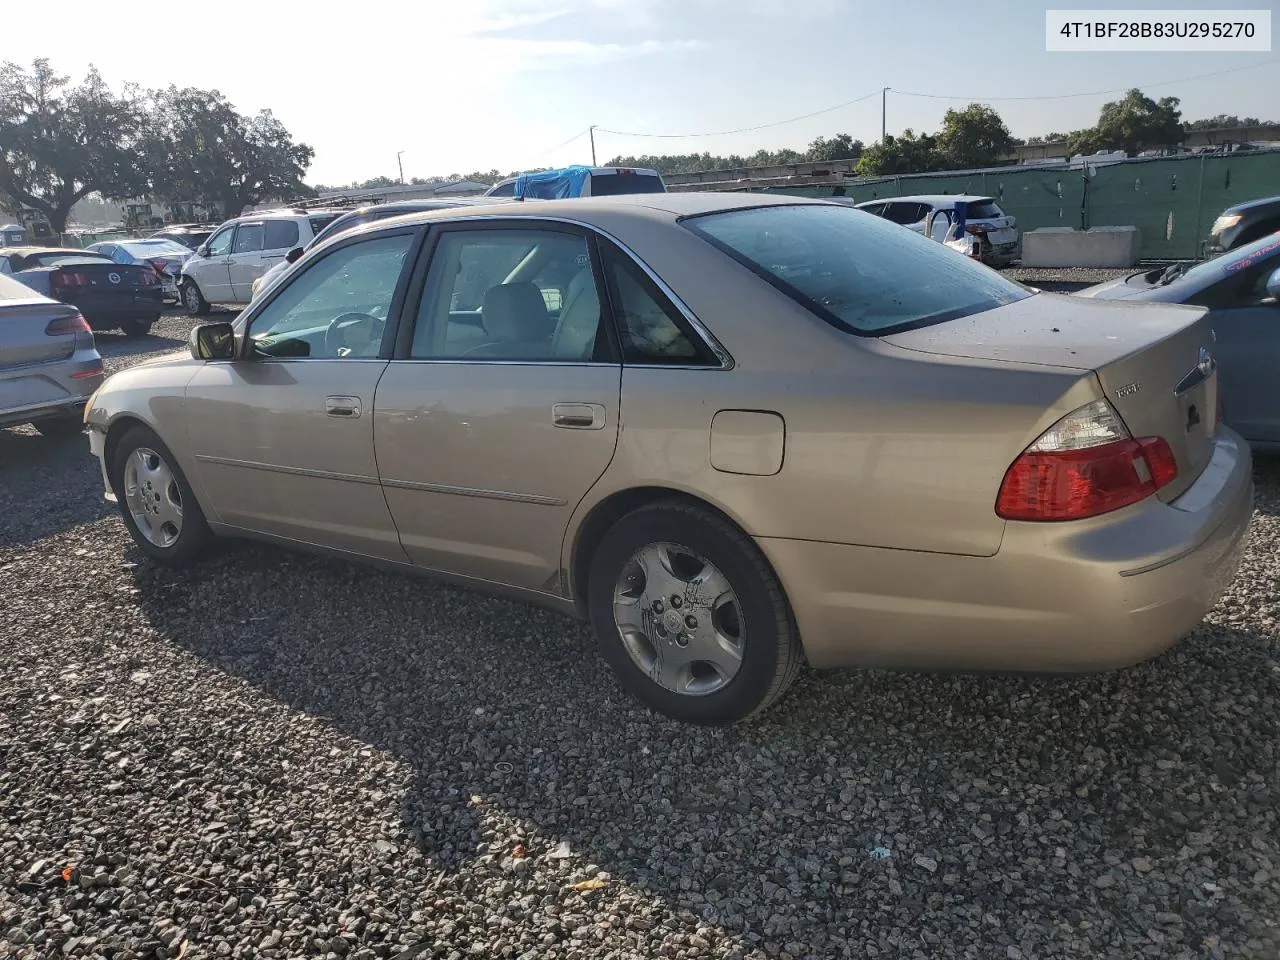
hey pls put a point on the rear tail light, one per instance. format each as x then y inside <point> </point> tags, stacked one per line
<point>1085,465</point>
<point>160,266</point>
<point>148,278</point>
<point>93,371</point>
<point>66,326</point>
<point>69,278</point>
<point>975,228</point>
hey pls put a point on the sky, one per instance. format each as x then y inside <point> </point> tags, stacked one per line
<point>478,84</point>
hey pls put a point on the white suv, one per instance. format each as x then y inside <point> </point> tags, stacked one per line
<point>223,268</point>
<point>982,215</point>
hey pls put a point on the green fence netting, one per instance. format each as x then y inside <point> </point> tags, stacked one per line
<point>1171,201</point>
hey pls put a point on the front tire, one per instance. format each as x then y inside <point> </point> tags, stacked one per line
<point>193,300</point>
<point>690,616</point>
<point>156,501</point>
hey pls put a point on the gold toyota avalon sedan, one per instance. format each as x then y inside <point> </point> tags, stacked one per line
<point>734,431</point>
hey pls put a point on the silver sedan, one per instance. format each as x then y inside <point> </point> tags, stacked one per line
<point>49,365</point>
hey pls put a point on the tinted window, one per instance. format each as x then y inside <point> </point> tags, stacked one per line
<point>336,308</point>
<point>49,259</point>
<point>248,238</point>
<point>503,190</point>
<point>983,210</point>
<point>537,298</point>
<point>616,184</point>
<point>650,327</point>
<point>343,223</point>
<point>905,213</point>
<point>322,220</point>
<point>873,208</point>
<point>861,274</point>
<point>280,235</point>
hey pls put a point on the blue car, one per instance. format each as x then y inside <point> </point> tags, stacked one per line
<point>166,257</point>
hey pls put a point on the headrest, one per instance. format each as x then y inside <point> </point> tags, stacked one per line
<point>515,312</point>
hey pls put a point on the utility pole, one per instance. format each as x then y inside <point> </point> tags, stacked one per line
<point>883,111</point>
<point>591,131</point>
<point>401,165</point>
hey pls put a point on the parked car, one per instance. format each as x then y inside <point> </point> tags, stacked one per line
<point>586,182</point>
<point>189,235</point>
<point>241,250</point>
<point>842,442</point>
<point>1241,291</point>
<point>1243,223</point>
<point>982,217</point>
<point>357,218</point>
<point>110,296</point>
<point>166,257</point>
<point>49,365</point>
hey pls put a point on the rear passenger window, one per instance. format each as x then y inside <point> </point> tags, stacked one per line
<point>651,329</point>
<point>904,213</point>
<point>248,238</point>
<point>509,295</point>
<point>280,235</point>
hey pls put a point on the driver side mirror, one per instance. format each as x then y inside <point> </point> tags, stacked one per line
<point>1273,285</point>
<point>294,255</point>
<point>213,341</point>
<point>202,250</point>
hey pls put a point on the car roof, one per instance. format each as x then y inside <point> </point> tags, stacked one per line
<point>934,198</point>
<point>587,209</point>
<point>1253,204</point>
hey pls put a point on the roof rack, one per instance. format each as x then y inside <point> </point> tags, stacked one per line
<point>338,201</point>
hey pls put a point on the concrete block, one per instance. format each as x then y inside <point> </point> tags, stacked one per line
<point>1095,247</point>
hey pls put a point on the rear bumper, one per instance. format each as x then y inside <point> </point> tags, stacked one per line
<point>49,390</point>
<point>105,312</point>
<point>1089,595</point>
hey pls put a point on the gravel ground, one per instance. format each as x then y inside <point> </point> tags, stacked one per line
<point>278,756</point>
<point>1064,279</point>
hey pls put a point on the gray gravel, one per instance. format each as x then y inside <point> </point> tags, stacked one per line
<point>273,755</point>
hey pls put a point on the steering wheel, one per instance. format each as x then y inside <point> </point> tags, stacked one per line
<point>335,336</point>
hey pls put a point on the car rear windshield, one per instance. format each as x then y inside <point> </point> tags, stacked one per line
<point>322,220</point>
<point>616,184</point>
<point>862,274</point>
<point>984,210</point>
<point>59,259</point>
<point>154,248</point>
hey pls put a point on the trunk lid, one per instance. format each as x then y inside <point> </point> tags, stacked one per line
<point>97,277</point>
<point>1154,361</point>
<point>23,340</point>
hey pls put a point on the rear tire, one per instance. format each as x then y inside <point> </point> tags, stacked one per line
<point>726,586</point>
<point>193,300</point>
<point>148,484</point>
<point>137,328</point>
<point>60,428</point>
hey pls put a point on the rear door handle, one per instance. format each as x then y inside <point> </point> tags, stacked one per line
<point>578,416</point>
<point>346,407</point>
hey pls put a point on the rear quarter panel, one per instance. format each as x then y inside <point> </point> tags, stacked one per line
<point>883,446</point>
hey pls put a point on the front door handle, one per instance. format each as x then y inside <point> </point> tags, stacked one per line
<point>578,416</point>
<point>346,407</point>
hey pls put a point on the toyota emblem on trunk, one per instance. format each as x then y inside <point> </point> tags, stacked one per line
<point>113,277</point>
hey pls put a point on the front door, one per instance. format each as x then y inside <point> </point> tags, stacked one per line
<point>501,408</point>
<point>210,271</point>
<point>283,438</point>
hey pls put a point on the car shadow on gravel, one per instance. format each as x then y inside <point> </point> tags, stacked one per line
<point>115,345</point>
<point>1022,806</point>
<point>47,485</point>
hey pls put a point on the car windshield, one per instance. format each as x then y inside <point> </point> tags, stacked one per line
<point>155,248</point>
<point>1233,261</point>
<point>52,259</point>
<point>863,274</point>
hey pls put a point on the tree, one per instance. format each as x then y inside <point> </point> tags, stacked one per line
<point>1223,121</point>
<point>974,137</point>
<point>198,146</point>
<point>905,154</point>
<point>1132,124</point>
<point>58,143</point>
<point>840,147</point>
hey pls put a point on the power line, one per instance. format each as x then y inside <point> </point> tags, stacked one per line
<point>1090,93</point>
<point>580,133</point>
<point>724,133</point>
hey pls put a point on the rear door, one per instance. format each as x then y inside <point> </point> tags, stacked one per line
<point>500,409</point>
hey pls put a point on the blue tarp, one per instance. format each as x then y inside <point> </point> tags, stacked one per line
<point>552,184</point>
